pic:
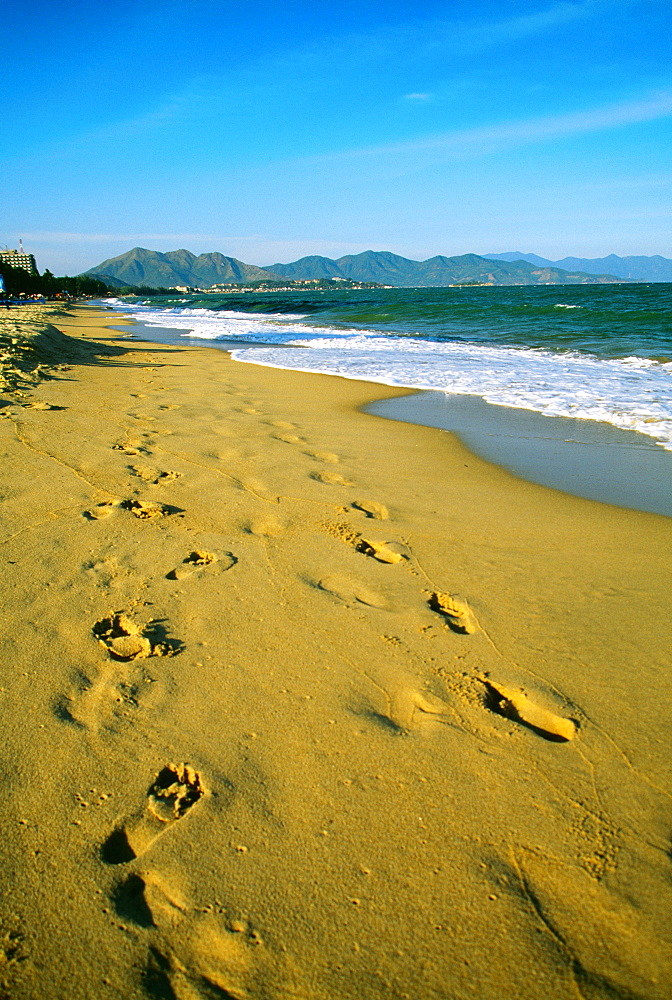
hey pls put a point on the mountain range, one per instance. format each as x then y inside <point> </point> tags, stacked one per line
<point>183,268</point>
<point>654,268</point>
<point>390,269</point>
<point>178,267</point>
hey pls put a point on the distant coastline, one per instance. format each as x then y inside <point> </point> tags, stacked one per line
<point>181,270</point>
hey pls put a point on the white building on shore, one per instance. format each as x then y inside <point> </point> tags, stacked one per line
<point>18,258</point>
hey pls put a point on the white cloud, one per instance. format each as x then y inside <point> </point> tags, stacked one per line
<point>491,138</point>
<point>486,34</point>
<point>418,97</point>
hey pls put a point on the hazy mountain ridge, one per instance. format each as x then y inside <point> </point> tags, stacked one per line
<point>654,268</point>
<point>181,267</point>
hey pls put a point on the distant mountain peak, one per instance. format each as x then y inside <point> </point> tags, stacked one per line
<point>391,269</point>
<point>183,268</point>
<point>633,268</point>
<point>178,267</point>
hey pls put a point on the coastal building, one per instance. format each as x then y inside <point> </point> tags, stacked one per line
<point>17,258</point>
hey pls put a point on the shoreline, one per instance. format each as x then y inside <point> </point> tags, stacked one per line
<point>583,458</point>
<point>303,702</point>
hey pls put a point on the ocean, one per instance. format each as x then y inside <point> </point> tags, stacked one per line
<point>593,352</point>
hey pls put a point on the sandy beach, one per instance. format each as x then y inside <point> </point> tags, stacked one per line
<point>299,702</point>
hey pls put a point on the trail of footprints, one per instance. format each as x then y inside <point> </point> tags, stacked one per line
<point>453,609</point>
<point>513,704</point>
<point>188,948</point>
<point>193,949</point>
<point>211,949</point>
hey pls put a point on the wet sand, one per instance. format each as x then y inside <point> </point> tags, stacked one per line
<point>300,702</point>
<point>586,458</point>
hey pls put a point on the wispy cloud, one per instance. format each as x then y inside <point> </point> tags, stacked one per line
<point>210,97</point>
<point>492,138</point>
<point>486,34</point>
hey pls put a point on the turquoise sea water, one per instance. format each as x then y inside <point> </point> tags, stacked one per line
<point>594,352</point>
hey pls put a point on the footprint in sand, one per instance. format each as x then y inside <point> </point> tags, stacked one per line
<point>372,509</point>
<point>384,552</point>
<point>153,476</point>
<point>130,447</point>
<point>455,610</point>
<point>283,425</point>
<point>198,560</point>
<point>147,510</point>
<point>101,510</point>
<point>102,571</point>
<point>288,438</point>
<point>40,405</point>
<point>408,709</point>
<point>351,591</point>
<point>174,792</point>
<point>107,698</point>
<point>264,527</point>
<point>515,704</point>
<point>324,456</point>
<point>125,640</point>
<point>330,478</point>
<point>171,406</point>
<point>196,954</point>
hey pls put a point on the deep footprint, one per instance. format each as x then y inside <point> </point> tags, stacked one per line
<point>372,509</point>
<point>175,791</point>
<point>455,610</point>
<point>379,550</point>
<point>385,552</point>
<point>198,560</point>
<point>516,705</point>
<point>125,640</point>
<point>148,510</point>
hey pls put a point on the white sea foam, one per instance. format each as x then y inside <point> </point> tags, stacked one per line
<point>631,393</point>
<point>226,324</point>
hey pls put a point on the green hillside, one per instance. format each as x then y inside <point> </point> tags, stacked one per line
<point>391,269</point>
<point>178,267</point>
<point>181,267</point>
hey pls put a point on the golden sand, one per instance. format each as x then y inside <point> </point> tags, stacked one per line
<point>302,703</point>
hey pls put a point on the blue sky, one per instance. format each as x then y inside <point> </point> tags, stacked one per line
<point>268,131</point>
